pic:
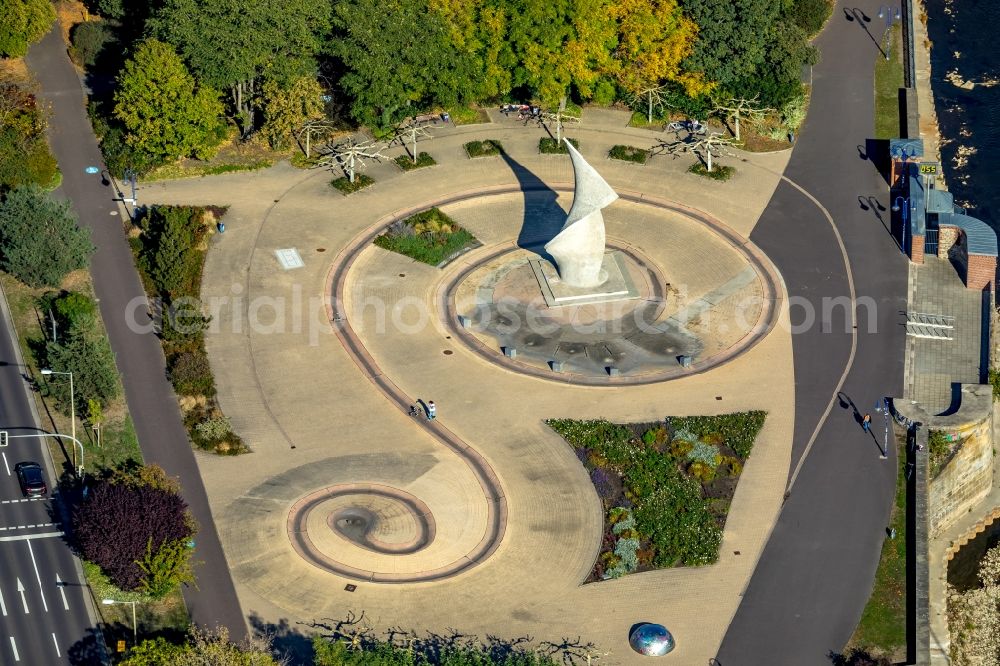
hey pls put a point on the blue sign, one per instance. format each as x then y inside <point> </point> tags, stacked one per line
<point>92,169</point>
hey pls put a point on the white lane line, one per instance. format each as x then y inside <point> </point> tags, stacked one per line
<point>25,537</point>
<point>24,600</point>
<point>13,646</point>
<point>6,466</point>
<point>38,577</point>
<point>27,499</point>
<point>27,527</point>
<point>3,605</point>
<point>62,590</point>
<point>56,643</point>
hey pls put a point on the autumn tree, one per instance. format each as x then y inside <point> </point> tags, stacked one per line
<point>233,44</point>
<point>287,108</point>
<point>654,37</point>
<point>40,241</point>
<point>23,22</point>
<point>166,114</point>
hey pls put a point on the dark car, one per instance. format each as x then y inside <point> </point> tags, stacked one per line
<point>31,478</point>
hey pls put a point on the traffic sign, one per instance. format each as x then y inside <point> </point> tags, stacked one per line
<point>3,438</point>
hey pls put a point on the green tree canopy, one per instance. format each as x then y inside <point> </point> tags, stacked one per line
<point>232,44</point>
<point>202,649</point>
<point>89,357</point>
<point>23,22</point>
<point>165,113</point>
<point>40,242</point>
<point>399,58</point>
<point>287,107</point>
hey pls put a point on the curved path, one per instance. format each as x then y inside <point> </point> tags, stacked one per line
<point>815,575</point>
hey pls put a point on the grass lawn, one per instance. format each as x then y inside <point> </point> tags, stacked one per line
<point>629,154</point>
<point>118,439</point>
<point>429,236</point>
<point>882,628</point>
<point>468,115</point>
<point>888,81</point>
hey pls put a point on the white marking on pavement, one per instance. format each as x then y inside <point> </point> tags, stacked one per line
<point>56,643</point>
<point>38,577</point>
<point>27,499</point>
<point>20,589</point>
<point>13,646</point>
<point>23,527</point>
<point>5,462</point>
<point>25,537</point>
<point>62,590</point>
<point>3,606</point>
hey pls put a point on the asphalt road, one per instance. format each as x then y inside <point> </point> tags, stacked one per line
<point>140,360</point>
<point>45,617</point>
<point>816,572</point>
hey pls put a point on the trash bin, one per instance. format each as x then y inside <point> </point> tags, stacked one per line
<point>221,226</point>
<point>446,117</point>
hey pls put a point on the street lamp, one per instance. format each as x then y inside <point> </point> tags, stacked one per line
<point>905,208</point>
<point>72,406</point>
<point>889,14</point>
<point>135,629</point>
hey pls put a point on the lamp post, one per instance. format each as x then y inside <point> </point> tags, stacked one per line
<point>72,407</point>
<point>882,407</point>
<point>135,629</point>
<point>890,15</point>
<point>905,208</point>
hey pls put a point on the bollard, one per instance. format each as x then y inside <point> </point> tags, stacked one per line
<point>613,371</point>
<point>557,366</point>
<point>685,361</point>
<point>464,322</point>
<point>510,352</point>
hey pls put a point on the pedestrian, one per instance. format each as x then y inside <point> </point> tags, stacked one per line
<point>431,410</point>
<point>866,422</point>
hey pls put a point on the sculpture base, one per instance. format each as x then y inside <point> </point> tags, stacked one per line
<point>617,287</point>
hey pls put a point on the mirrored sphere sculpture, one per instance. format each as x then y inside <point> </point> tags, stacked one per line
<point>652,640</point>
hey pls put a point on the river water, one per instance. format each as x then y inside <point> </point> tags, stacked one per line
<point>964,41</point>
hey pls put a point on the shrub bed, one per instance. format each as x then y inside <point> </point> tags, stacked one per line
<point>718,172</point>
<point>170,253</point>
<point>483,148</point>
<point>550,146</point>
<point>344,184</point>
<point>406,163</point>
<point>666,487</point>
<point>629,154</point>
<point>429,236</point>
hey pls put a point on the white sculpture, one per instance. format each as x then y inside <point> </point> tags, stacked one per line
<point>579,248</point>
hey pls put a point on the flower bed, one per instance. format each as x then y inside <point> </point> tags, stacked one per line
<point>406,163</point>
<point>483,148</point>
<point>717,173</point>
<point>550,146</point>
<point>429,236</point>
<point>665,487</point>
<point>629,154</point>
<point>344,184</point>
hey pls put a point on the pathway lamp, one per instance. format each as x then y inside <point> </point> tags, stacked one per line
<point>890,15</point>
<point>135,630</point>
<point>72,408</point>
<point>905,208</point>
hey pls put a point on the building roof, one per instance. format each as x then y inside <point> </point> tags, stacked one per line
<point>910,147</point>
<point>981,238</point>
<point>940,201</point>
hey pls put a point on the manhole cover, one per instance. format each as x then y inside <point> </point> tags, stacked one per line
<point>447,352</point>
<point>289,258</point>
<point>321,249</point>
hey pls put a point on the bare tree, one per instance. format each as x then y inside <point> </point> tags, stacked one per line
<point>410,132</point>
<point>349,154</point>
<point>559,117</point>
<point>309,129</point>
<point>740,107</point>
<point>705,147</point>
<point>652,97</point>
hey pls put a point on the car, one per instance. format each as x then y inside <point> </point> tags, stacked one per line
<point>32,479</point>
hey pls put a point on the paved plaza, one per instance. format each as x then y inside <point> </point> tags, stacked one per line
<point>507,521</point>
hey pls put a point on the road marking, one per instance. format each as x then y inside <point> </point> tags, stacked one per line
<point>20,589</point>
<point>38,577</point>
<point>62,590</point>
<point>27,527</point>
<point>56,643</point>
<point>26,499</point>
<point>25,537</point>
<point>5,463</point>
<point>3,605</point>
<point>13,646</point>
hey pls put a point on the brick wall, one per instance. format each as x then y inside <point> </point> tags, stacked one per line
<point>981,272</point>
<point>947,236</point>
<point>917,249</point>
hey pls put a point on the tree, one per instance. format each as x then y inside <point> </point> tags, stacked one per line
<point>740,108</point>
<point>232,44</point>
<point>153,652</point>
<point>399,58</point>
<point>202,649</point>
<point>165,113</point>
<point>117,525</point>
<point>165,568</point>
<point>654,37</point>
<point>288,108</point>
<point>89,357</point>
<point>349,154</point>
<point>23,22</point>
<point>170,235</point>
<point>706,147</point>
<point>40,242</point>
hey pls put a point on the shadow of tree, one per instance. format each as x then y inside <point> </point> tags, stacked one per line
<point>858,657</point>
<point>287,642</point>
<point>90,649</point>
